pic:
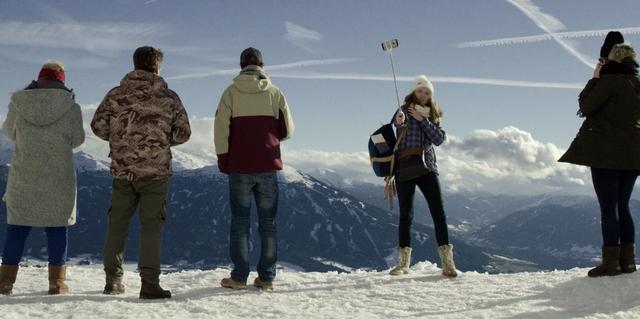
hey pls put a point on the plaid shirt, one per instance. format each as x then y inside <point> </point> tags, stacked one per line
<point>423,135</point>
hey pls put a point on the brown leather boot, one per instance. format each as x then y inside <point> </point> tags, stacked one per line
<point>266,285</point>
<point>57,275</point>
<point>8,274</point>
<point>232,284</point>
<point>150,290</point>
<point>610,265</point>
<point>628,258</point>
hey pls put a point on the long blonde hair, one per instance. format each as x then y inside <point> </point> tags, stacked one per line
<point>623,51</point>
<point>436,112</point>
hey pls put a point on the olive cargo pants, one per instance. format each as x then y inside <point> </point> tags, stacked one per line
<point>126,196</point>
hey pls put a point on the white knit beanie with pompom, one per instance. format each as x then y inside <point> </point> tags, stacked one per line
<point>423,81</point>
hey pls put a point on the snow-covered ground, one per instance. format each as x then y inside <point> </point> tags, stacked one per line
<point>422,294</point>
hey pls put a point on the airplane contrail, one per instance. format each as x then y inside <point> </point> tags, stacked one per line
<point>545,37</point>
<point>436,79</point>
<point>549,25</point>
<point>284,66</point>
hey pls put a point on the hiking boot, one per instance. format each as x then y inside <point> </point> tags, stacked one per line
<point>232,284</point>
<point>116,288</point>
<point>153,291</point>
<point>267,285</point>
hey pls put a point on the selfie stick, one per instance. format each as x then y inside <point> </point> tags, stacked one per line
<point>388,46</point>
<point>390,188</point>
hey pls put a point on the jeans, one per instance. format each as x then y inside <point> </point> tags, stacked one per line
<point>430,187</point>
<point>613,188</point>
<point>17,236</point>
<point>264,188</point>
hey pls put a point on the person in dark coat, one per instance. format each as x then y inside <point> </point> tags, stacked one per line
<point>609,143</point>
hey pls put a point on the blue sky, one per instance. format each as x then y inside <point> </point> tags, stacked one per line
<point>328,58</point>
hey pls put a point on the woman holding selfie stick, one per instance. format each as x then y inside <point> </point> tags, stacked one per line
<point>418,124</point>
<point>609,143</point>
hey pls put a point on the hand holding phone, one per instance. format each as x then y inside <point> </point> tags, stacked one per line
<point>400,118</point>
<point>596,70</point>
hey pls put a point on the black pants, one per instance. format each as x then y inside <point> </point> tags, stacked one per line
<point>430,187</point>
<point>613,188</point>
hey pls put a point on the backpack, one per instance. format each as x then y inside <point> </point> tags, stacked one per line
<point>383,145</point>
<point>381,149</point>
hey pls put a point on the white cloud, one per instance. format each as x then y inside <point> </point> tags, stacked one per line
<point>297,32</point>
<point>550,25</point>
<point>90,44</point>
<point>508,160</point>
<point>506,147</point>
<point>545,37</point>
<point>103,39</point>
<point>37,56</point>
<point>301,36</point>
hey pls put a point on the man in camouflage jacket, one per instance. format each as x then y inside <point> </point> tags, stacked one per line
<point>141,119</point>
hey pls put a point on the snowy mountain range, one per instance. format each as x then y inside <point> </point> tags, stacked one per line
<point>326,224</point>
<point>321,228</point>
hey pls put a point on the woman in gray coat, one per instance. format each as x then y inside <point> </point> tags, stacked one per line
<point>46,125</point>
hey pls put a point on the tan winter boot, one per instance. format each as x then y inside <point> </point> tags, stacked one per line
<point>404,262</point>
<point>446,258</point>
<point>628,258</point>
<point>610,265</point>
<point>8,274</point>
<point>266,285</point>
<point>232,284</point>
<point>57,275</point>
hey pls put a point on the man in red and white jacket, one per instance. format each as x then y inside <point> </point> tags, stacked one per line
<point>251,120</point>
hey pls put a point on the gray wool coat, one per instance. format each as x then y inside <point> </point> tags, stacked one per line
<point>46,125</point>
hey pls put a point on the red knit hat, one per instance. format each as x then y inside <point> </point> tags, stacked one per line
<point>52,69</point>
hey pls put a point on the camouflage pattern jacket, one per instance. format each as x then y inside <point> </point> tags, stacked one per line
<point>141,119</point>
